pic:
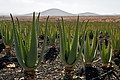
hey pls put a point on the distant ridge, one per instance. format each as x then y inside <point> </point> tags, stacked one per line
<point>88,14</point>
<point>53,12</point>
<point>58,12</point>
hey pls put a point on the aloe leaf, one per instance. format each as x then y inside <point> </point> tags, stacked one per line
<point>74,49</point>
<point>62,47</point>
<point>94,46</point>
<point>37,25</point>
<point>21,40</point>
<point>109,52</point>
<point>44,43</point>
<point>23,52</point>
<point>102,54</point>
<point>19,28</point>
<point>69,38</point>
<point>17,45</point>
<point>87,50</point>
<point>80,54</point>
<point>32,55</point>
<point>65,39</point>
<point>7,36</point>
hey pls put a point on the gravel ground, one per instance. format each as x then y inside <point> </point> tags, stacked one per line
<point>46,71</point>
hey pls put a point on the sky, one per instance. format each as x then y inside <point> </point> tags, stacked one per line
<point>71,6</point>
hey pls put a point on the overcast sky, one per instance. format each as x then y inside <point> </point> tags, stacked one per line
<point>71,6</point>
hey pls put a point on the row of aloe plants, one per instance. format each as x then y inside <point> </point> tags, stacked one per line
<point>87,51</point>
<point>6,31</point>
<point>75,44</point>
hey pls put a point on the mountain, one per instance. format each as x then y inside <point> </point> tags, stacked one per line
<point>88,14</point>
<point>53,12</point>
<point>58,12</point>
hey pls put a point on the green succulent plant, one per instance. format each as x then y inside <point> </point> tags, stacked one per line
<point>26,51</point>
<point>106,53</point>
<point>90,49</point>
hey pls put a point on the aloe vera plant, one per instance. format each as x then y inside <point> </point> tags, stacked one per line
<point>90,49</point>
<point>115,41</point>
<point>88,54</point>
<point>69,49</point>
<point>7,34</point>
<point>27,52</point>
<point>106,54</point>
<point>116,47</point>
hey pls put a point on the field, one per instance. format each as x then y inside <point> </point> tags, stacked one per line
<point>70,18</point>
<point>72,48</point>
